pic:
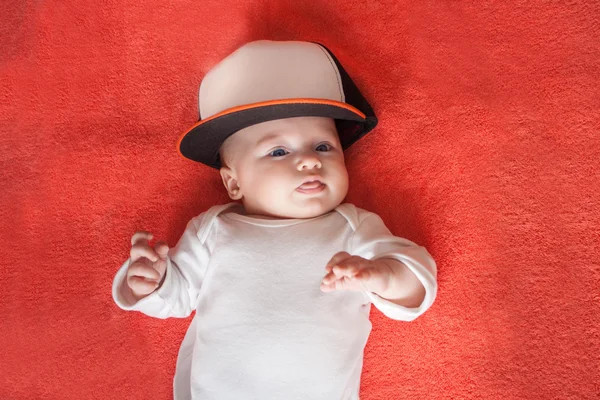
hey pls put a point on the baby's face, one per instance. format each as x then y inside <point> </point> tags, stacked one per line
<point>286,168</point>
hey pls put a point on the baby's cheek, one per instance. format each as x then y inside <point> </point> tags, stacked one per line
<point>341,182</point>
<point>269,190</point>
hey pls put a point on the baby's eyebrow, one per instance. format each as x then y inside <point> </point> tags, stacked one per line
<point>269,138</point>
<point>281,138</point>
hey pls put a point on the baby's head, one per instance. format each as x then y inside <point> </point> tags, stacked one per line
<point>286,168</point>
<point>275,118</point>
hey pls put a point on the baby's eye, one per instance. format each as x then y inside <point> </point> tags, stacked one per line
<point>278,153</point>
<point>323,147</point>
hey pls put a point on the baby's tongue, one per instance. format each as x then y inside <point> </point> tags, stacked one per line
<point>311,185</point>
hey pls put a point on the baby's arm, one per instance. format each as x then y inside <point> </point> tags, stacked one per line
<point>182,276</point>
<point>398,276</point>
<point>403,287</point>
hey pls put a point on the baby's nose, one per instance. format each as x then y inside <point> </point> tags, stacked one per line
<point>309,161</point>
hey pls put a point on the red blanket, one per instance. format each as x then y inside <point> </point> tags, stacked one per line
<point>486,153</point>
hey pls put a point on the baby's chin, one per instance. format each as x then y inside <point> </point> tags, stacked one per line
<point>309,209</point>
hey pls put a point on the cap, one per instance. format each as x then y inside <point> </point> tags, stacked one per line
<point>268,80</point>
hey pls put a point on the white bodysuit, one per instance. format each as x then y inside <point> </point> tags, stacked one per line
<point>263,329</point>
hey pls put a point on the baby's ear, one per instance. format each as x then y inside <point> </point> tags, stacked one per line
<point>231,184</point>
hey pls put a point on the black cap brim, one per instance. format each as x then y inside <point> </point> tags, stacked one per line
<point>202,141</point>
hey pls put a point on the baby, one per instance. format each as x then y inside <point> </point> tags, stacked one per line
<point>282,280</point>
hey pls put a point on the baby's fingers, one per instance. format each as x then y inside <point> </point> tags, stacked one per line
<point>141,236</point>
<point>142,270</point>
<point>143,250</point>
<point>339,272</point>
<point>349,268</point>
<point>330,277</point>
<point>140,247</point>
<point>161,249</point>
<point>141,286</point>
<point>344,283</point>
<point>337,258</point>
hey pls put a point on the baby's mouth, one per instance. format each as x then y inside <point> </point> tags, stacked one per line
<point>311,187</point>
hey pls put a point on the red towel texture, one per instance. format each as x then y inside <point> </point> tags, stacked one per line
<point>487,153</point>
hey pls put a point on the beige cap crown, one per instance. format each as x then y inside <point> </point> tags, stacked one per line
<point>267,70</point>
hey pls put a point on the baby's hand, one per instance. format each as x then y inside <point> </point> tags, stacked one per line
<point>147,267</point>
<point>346,272</point>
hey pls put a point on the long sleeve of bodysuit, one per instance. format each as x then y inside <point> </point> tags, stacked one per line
<point>373,240</point>
<point>186,266</point>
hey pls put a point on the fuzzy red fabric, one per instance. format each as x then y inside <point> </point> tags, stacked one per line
<point>486,153</point>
